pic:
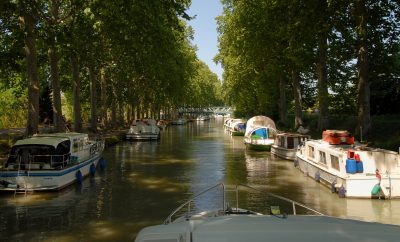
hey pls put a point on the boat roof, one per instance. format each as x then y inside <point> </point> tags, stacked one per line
<point>293,135</point>
<point>49,139</point>
<point>238,228</point>
<point>344,147</point>
<point>259,121</point>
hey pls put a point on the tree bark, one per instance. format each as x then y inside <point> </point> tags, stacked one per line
<point>28,23</point>
<point>364,114</point>
<point>298,114</point>
<point>323,96</point>
<point>103,86</point>
<point>54,70</point>
<point>93,99</point>
<point>114,104</point>
<point>76,93</point>
<point>55,83</point>
<point>282,100</point>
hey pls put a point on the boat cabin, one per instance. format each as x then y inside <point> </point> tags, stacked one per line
<point>48,151</point>
<point>289,140</point>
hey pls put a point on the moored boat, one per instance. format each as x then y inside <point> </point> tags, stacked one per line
<point>237,127</point>
<point>226,223</point>
<point>349,168</point>
<point>50,162</point>
<point>260,133</point>
<point>203,118</point>
<point>179,121</point>
<point>285,145</point>
<point>143,130</point>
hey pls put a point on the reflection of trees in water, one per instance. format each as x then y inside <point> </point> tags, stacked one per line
<point>49,213</point>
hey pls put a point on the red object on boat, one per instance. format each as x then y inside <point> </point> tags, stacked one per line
<point>378,175</point>
<point>350,154</point>
<point>357,157</point>
<point>336,137</point>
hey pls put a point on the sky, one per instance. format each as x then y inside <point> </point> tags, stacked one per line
<point>205,31</point>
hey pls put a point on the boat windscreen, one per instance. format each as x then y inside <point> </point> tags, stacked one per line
<point>39,153</point>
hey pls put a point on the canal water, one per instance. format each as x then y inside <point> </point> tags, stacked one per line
<point>145,181</point>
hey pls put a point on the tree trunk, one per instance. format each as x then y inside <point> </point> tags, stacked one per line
<point>55,83</point>
<point>298,118</point>
<point>323,96</point>
<point>93,100</point>
<point>121,114</point>
<point>364,115</point>
<point>76,93</point>
<point>103,86</point>
<point>282,100</point>
<point>114,104</point>
<point>28,23</point>
<point>54,70</point>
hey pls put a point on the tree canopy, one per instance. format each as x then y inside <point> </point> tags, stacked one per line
<point>109,60</point>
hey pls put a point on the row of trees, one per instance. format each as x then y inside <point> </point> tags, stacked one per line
<point>334,56</point>
<point>113,60</point>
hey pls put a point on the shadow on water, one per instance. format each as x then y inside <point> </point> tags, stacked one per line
<point>145,181</point>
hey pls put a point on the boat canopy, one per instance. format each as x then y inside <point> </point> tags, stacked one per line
<point>257,122</point>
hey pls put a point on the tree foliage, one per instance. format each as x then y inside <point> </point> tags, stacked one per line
<point>267,46</point>
<point>130,57</point>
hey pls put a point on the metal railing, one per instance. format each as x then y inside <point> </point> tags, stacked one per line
<point>168,220</point>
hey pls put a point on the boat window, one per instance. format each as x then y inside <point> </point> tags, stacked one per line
<point>31,154</point>
<point>322,157</point>
<point>335,162</point>
<point>290,142</point>
<point>76,145</point>
<point>311,151</point>
<point>282,140</point>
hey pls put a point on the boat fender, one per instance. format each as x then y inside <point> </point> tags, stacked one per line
<point>342,192</point>
<point>92,169</point>
<point>102,162</point>
<point>333,187</point>
<point>317,176</point>
<point>376,189</point>
<point>296,162</point>
<point>79,177</point>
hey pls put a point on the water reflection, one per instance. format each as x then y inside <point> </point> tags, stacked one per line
<point>145,181</point>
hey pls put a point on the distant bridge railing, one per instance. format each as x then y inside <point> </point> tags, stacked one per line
<point>207,110</point>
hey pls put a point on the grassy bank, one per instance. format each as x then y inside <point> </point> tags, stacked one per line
<point>385,131</point>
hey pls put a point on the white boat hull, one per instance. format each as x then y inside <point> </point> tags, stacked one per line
<point>46,179</point>
<point>356,185</point>
<point>288,154</point>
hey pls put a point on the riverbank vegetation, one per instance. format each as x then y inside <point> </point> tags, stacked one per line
<point>328,58</point>
<point>104,62</point>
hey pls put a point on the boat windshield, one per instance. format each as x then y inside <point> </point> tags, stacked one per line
<point>34,153</point>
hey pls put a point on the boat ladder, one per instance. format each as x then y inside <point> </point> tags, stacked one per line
<point>21,178</point>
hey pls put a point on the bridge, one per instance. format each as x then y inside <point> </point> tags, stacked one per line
<point>207,110</point>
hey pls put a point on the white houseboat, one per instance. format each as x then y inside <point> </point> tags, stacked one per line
<point>49,162</point>
<point>227,122</point>
<point>236,127</point>
<point>143,130</point>
<point>285,145</point>
<point>179,121</point>
<point>260,133</point>
<point>234,224</point>
<point>350,169</point>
